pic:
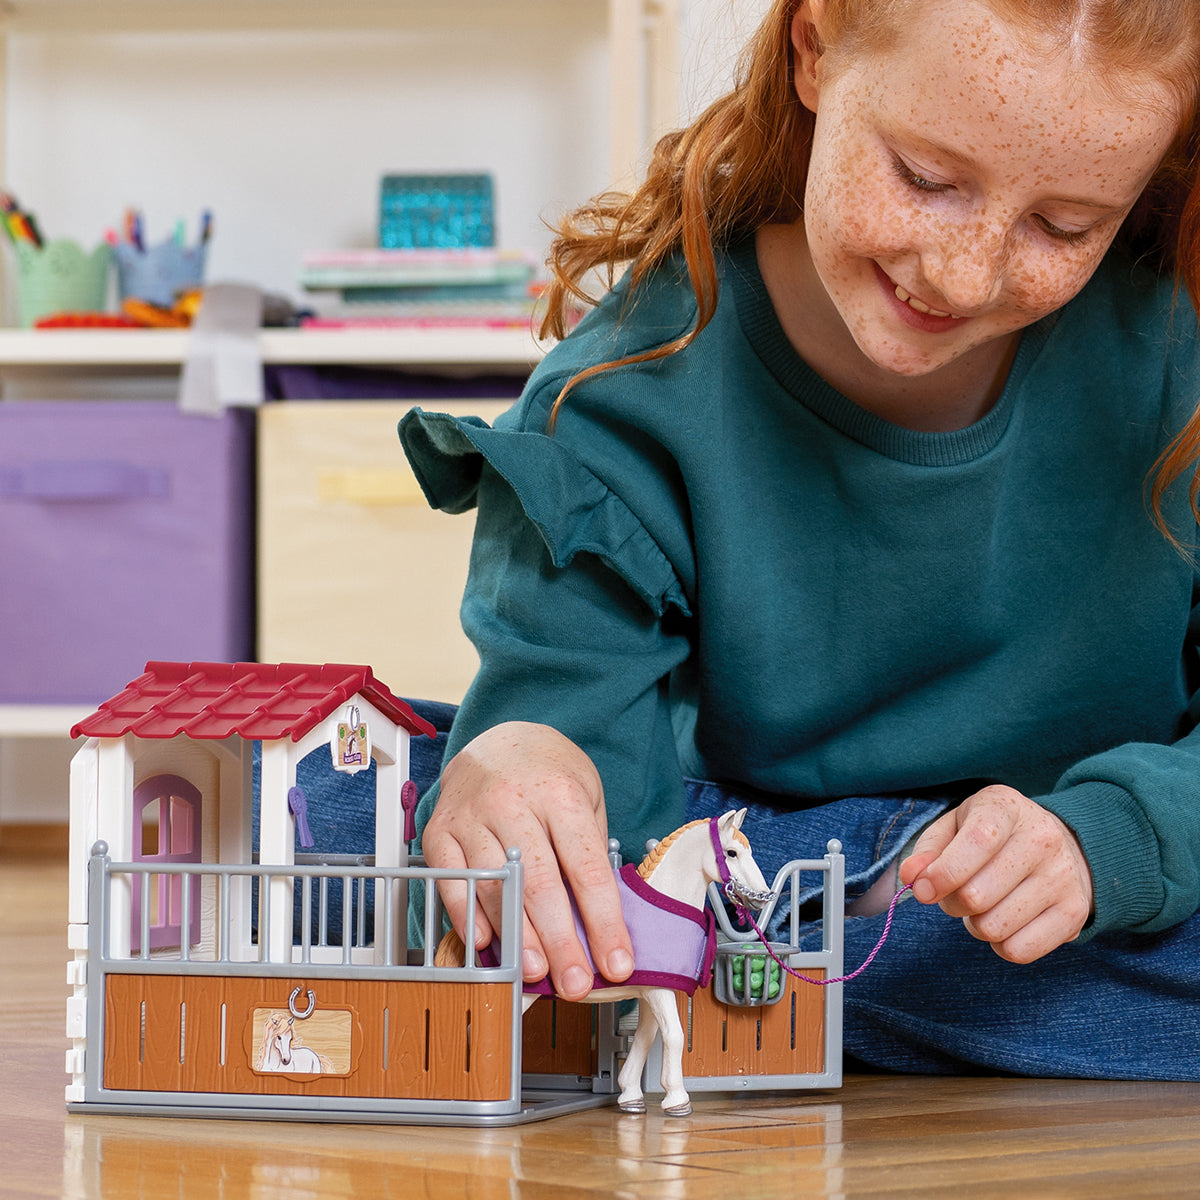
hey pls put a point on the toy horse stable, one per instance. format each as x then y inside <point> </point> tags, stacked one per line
<point>216,973</point>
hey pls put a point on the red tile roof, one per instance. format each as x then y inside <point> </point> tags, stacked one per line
<point>253,700</point>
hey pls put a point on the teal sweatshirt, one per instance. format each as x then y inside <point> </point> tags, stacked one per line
<point>720,568</point>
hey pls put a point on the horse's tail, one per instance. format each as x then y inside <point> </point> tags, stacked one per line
<point>451,951</point>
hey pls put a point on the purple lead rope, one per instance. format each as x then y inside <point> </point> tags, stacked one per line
<point>747,917</point>
<point>887,927</point>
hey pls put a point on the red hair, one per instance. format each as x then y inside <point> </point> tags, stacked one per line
<point>743,163</point>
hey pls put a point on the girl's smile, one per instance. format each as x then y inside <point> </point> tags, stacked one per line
<point>914,311</point>
<point>964,182</point>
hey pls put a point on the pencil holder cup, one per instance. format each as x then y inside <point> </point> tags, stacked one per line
<point>157,274</point>
<point>60,277</point>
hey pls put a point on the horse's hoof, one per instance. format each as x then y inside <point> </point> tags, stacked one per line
<point>680,1110</point>
<point>636,1107</point>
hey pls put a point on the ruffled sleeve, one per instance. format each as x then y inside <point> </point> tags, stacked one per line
<point>572,508</point>
<point>575,609</point>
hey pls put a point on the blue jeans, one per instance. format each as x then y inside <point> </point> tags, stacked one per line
<point>340,811</point>
<point>935,1000</point>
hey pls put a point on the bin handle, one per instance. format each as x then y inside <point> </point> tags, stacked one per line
<point>83,480</point>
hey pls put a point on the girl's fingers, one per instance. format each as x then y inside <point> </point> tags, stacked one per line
<point>1011,870</point>
<point>966,844</point>
<point>583,851</point>
<point>550,943</point>
<point>1025,932</point>
<point>927,850</point>
<point>526,785</point>
<point>455,893</point>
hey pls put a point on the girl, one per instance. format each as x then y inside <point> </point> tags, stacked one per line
<point>835,505</point>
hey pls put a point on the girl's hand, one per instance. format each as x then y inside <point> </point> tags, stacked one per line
<point>528,786</point>
<point>1009,868</point>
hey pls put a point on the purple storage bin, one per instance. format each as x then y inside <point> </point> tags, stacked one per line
<point>125,535</point>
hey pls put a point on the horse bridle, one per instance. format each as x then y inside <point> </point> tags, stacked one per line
<point>738,894</point>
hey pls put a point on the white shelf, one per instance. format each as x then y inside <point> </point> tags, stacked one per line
<point>90,15</point>
<point>41,720</point>
<point>480,349</point>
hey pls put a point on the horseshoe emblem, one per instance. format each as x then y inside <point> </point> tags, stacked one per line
<point>308,1012</point>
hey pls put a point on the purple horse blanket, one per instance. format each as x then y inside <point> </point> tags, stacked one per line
<point>674,944</point>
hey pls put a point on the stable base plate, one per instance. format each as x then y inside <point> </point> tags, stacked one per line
<point>535,1106</point>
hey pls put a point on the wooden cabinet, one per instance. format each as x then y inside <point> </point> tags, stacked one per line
<point>353,565</point>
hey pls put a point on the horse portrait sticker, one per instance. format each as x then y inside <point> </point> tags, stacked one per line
<point>351,742</point>
<point>284,1044</point>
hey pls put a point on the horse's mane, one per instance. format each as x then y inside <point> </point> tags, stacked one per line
<point>270,1025</point>
<point>649,864</point>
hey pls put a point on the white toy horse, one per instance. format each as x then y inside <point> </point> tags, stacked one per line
<point>281,1051</point>
<point>674,941</point>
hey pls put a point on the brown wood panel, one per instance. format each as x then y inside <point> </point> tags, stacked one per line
<point>161,1029</point>
<point>406,1034</point>
<point>728,1040</point>
<point>557,1038</point>
<point>122,1034</point>
<point>438,1041</point>
<point>205,1042</point>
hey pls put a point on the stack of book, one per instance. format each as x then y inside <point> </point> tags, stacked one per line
<point>472,286</point>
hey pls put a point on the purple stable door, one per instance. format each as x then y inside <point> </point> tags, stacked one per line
<point>166,829</point>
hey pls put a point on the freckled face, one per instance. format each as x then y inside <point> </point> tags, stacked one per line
<point>966,181</point>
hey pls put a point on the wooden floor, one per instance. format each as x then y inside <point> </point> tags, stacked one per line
<point>875,1137</point>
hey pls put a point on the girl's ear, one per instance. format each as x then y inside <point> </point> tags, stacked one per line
<point>808,51</point>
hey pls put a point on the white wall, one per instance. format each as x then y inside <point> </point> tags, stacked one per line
<point>285,134</point>
<point>712,33</point>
